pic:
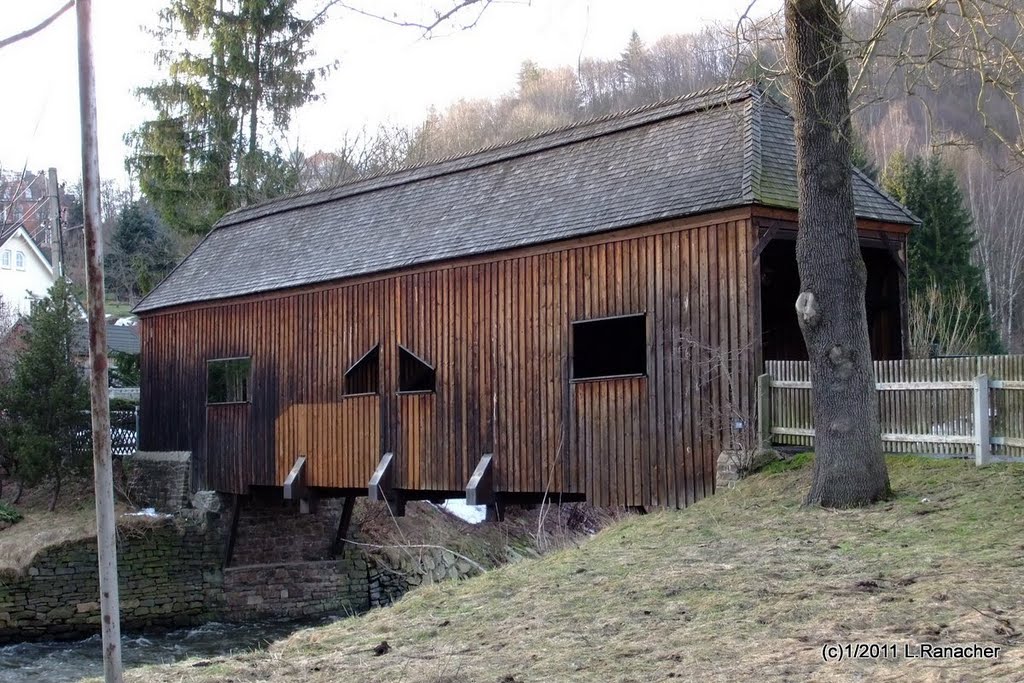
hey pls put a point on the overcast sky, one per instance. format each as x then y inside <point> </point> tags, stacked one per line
<point>386,73</point>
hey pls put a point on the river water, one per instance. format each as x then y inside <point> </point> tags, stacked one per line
<point>63,661</point>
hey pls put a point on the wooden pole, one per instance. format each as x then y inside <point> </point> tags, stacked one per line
<point>982,422</point>
<point>56,235</point>
<point>106,540</point>
<point>764,411</point>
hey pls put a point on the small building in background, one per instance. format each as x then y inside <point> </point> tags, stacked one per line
<point>25,271</point>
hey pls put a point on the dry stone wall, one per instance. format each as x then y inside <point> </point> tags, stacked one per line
<point>159,480</point>
<point>171,573</point>
<point>168,577</point>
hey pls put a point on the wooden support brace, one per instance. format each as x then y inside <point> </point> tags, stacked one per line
<point>496,511</point>
<point>894,252</point>
<point>295,482</point>
<point>295,487</point>
<point>229,549</point>
<point>763,242</point>
<point>480,489</point>
<point>381,483</point>
<point>339,546</point>
<point>381,486</point>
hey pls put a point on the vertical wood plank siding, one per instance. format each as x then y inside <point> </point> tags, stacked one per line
<point>499,334</point>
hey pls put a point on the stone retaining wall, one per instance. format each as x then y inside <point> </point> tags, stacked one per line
<point>168,576</point>
<point>159,480</point>
<point>171,574</point>
<point>299,589</point>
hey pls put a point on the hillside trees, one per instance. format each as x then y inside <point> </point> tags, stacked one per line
<point>849,467</point>
<point>46,396</point>
<point>939,255</point>
<point>237,70</point>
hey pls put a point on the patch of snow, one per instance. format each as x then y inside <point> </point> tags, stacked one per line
<point>126,322</point>
<point>146,512</point>
<point>474,514</point>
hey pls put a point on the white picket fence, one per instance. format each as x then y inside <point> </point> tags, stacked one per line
<point>960,407</point>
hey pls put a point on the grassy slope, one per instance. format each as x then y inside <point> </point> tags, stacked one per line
<point>745,586</point>
<point>73,519</point>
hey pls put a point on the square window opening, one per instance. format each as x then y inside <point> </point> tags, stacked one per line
<point>609,347</point>
<point>227,380</point>
<point>364,375</point>
<point>415,375</point>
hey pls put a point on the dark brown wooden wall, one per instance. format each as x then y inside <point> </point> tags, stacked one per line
<point>498,333</point>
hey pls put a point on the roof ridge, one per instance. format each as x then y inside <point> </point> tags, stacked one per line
<point>877,187</point>
<point>752,162</point>
<point>729,92</point>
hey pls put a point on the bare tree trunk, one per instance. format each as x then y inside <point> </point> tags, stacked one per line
<point>17,492</point>
<point>849,468</point>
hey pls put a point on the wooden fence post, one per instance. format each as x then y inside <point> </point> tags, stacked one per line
<point>764,410</point>
<point>982,422</point>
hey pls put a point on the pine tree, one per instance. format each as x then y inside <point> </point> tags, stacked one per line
<point>141,252</point>
<point>46,398</point>
<point>204,153</point>
<point>939,250</point>
<point>634,70</point>
<point>861,157</point>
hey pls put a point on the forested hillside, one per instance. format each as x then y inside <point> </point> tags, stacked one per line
<point>907,102</point>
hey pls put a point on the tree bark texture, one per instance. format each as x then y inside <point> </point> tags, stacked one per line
<point>849,467</point>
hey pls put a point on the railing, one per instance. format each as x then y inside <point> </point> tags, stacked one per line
<point>124,432</point>
<point>943,406</point>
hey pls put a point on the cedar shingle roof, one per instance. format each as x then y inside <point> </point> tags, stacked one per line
<point>722,148</point>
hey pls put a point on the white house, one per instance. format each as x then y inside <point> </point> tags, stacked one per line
<point>25,272</point>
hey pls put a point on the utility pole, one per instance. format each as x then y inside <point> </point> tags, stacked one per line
<point>106,539</point>
<point>56,234</point>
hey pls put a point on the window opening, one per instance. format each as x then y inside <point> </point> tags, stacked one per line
<point>414,374</point>
<point>364,375</point>
<point>227,380</point>
<point>609,347</point>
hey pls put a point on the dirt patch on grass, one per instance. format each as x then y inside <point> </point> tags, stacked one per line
<point>745,586</point>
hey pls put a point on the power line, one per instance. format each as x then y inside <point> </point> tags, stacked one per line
<point>38,27</point>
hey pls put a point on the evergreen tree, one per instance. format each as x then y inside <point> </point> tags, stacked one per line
<point>203,155</point>
<point>861,157</point>
<point>939,250</point>
<point>635,71</point>
<point>141,252</point>
<point>46,397</point>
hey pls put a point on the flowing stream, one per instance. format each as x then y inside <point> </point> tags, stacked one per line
<point>63,661</point>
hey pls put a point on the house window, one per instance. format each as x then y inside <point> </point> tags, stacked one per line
<point>609,347</point>
<point>5,258</point>
<point>227,380</point>
<point>19,260</point>
<point>364,375</point>
<point>414,374</point>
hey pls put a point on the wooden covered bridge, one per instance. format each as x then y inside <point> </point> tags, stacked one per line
<point>528,312</point>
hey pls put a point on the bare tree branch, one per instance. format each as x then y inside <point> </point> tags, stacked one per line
<point>38,27</point>
<point>428,27</point>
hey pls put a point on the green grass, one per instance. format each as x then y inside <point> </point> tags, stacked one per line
<point>796,462</point>
<point>118,309</point>
<point>746,586</point>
